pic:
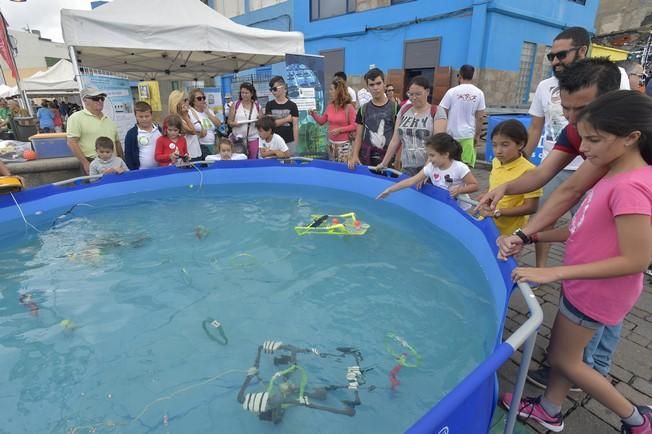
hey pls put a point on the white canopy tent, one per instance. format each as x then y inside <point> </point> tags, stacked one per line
<point>59,79</point>
<point>8,91</point>
<point>170,40</point>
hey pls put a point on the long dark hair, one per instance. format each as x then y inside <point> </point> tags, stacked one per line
<point>444,143</point>
<point>250,87</point>
<point>621,113</point>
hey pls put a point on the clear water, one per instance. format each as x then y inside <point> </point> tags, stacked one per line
<point>122,288</point>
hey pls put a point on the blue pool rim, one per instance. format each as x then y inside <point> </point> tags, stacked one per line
<point>469,407</point>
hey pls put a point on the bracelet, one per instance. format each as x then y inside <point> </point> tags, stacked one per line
<point>523,236</point>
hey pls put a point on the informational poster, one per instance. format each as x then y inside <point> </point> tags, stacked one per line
<point>119,103</point>
<point>148,91</point>
<point>305,80</point>
<point>214,101</point>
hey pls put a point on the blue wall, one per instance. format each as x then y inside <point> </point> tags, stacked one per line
<point>484,33</point>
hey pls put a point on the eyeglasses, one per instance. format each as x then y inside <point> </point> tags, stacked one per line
<point>561,55</point>
<point>416,94</point>
<point>200,98</point>
<point>97,98</point>
<point>390,90</point>
<point>273,89</point>
<point>641,77</point>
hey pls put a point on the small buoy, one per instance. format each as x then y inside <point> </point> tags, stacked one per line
<point>335,221</point>
<point>38,212</point>
<point>29,155</point>
<point>191,186</point>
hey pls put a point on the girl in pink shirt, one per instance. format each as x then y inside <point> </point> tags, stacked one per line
<point>608,247</point>
<point>340,115</point>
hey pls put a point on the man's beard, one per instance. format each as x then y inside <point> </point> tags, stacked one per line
<point>558,72</point>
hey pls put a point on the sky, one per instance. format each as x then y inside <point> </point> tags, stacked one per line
<point>43,15</point>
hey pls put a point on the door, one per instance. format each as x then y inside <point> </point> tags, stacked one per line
<point>333,62</point>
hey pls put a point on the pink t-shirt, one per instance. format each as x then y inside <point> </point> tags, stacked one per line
<point>337,118</point>
<point>593,237</point>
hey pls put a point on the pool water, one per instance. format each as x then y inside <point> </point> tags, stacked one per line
<point>101,313</point>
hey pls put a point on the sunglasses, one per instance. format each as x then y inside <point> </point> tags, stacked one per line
<point>561,55</point>
<point>200,98</point>
<point>97,98</point>
<point>273,89</point>
<point>641,77</point>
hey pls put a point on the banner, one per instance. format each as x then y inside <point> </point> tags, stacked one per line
<point>119,104</point>
<point>148,91</point>
<point>305,80</point>
<point>5,47</point>
<point>214,101</point>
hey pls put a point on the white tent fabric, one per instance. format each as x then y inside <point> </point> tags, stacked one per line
<point>7,91</point>
<point>59,78</point>
<point>170,39</point>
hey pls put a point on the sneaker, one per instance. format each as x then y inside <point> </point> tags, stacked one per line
<point>539,377</point>
<point>646,428</point>
<point>530,408</point>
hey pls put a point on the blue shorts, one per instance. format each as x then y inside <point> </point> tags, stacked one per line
<point>577,317</point>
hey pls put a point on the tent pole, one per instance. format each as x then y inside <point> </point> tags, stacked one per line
<point>75,66</point>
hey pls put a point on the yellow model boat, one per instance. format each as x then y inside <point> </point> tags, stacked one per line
<point>342,224</point>
<point>10,184</point>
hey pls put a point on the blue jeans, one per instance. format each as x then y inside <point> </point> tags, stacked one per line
<point>598,354</point>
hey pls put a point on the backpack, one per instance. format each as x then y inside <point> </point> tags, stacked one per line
<point>408,105</point>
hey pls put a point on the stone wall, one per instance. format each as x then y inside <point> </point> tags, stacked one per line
<point>617,15</point>
<point>499,87</point>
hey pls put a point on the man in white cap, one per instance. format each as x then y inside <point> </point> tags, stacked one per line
<point>85,126</point>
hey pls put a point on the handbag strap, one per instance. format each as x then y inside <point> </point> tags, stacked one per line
<point>249,124</point>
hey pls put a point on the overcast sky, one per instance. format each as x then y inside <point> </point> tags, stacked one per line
<point>43,15</point>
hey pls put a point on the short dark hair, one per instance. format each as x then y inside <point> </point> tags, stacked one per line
<point>276,79</point>
<point>142,106</point>
<point>420,81</point>
<point>585,73</point>
<point>467,71</point>
<point>266,123</point>
<point>513,130</point>
<point>444,143</point>
<point>340,74</point>
<point>104,143</point>
<point>620,113</point>
<point>579,35</point>
<point>373,74</point>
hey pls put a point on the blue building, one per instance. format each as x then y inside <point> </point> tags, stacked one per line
<point>506,40</point>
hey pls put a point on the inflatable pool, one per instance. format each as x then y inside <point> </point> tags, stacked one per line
<point>31,210</point>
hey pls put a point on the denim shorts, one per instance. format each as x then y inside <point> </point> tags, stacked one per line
<point>577,317</point>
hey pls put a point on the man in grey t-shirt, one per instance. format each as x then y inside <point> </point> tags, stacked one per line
<point>375,121</point>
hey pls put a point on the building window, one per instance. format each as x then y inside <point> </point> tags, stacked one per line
<point>581,2</point>
<point>398,2</point>
<point>528,56</point>
<point>320,9</point>
<point>546,66</point>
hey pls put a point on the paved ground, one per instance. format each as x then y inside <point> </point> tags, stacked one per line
<point>632,369</point>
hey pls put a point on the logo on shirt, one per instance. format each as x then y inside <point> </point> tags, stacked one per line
<point>435,176</point>
<point>467,97</point>
<point>578,219</point>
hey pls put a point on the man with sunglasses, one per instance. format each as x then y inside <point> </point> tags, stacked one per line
<point>547,115</point>
<point>284,112</point>
<point>85,126</point>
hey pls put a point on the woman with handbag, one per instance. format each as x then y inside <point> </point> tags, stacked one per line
<point>340,115</point>
<point>242,118</point>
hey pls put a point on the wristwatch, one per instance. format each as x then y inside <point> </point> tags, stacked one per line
<point>523,236</point>
<point>497,213</point>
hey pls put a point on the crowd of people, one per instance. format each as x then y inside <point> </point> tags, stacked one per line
<point>597,137</point>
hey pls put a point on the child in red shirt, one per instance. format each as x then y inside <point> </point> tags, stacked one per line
<point>171,146</point>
